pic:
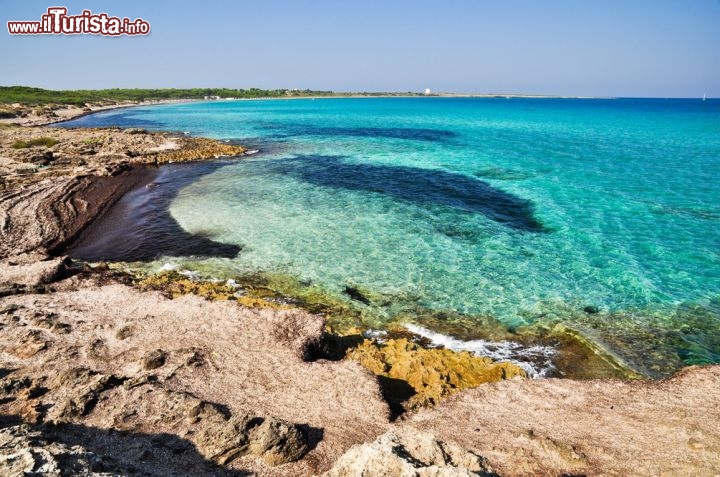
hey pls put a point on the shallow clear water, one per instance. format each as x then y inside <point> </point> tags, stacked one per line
<point>525,210</point>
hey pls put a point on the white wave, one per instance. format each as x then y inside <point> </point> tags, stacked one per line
<point>535,360</point>
<point>377,335</point>
<point>191,274</point>
<point>167,267</point>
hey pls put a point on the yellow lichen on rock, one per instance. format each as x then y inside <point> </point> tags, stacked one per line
<point>197,148</point>
<point>177,285</point>
<point>434,374</point>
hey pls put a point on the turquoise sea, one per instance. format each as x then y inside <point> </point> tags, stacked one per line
<point>602,215</point>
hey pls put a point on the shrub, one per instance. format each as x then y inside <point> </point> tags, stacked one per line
<point>40,141</point>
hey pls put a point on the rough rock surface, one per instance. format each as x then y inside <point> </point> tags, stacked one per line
<point>76,450</point>
<point>605,427</point>
<point>94,151</point>
<point>433,374</point>
<point>32,269</point>
<point>40,115</point>
<point>26,452</point>
<point>44,215</point>
<point>409,455</point>
<point>41,208</point>
<point>230,380</point>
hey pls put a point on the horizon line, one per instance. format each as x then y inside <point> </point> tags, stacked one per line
<point>444,94</point>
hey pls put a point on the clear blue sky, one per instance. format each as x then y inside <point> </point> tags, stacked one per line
<point>659,48</point>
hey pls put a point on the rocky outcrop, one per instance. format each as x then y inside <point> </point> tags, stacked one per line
<point>33,269</point>
<point>276,441</point>
<point>197,148</point>
<point>83,173</point>
<point>228,381</point>
<point>43,216</point>
<point>602,427</point>
<point>405,455</point>
<point>432,374</point>
<point>30,155</point>
<point>26,452</point>
<point>139,403</point>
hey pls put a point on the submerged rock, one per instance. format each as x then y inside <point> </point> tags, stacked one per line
<point>366,296</point>
<point>357,294</point>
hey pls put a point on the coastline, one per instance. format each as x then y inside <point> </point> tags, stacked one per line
<point>61,113</point>
<point>32,116</point>
<point>432,95</point>
<point>53,309</point>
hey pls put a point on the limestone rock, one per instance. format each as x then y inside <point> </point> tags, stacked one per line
<point>275,440</point>
<point>278,442</point>
<point>32,270</point>
<point>235,384</point>
<point>25,452</point>
<point>420,455</point>
<point>78,391</point>
<point>153,359</point>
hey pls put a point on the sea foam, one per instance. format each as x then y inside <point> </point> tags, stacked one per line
<point>536,360</point>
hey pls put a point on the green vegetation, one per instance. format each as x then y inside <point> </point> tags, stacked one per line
<point>40,141</point>
<point>36,96</point>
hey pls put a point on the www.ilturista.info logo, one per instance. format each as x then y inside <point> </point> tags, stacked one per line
<point>57,22</point>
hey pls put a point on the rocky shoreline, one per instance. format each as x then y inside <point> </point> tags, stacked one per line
<point>102,375</point>
<point>42,115</point>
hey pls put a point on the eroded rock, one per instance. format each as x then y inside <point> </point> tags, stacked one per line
<point>24,451</point>
<point>153,360</point>
<point>77,391</point>
<point>419,455</point>
<point>275,440</point>
<point>433,374</point>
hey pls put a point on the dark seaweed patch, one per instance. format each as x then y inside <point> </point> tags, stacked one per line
<point>425,186</point>
<point>411,134</point>
<point>140,227</point>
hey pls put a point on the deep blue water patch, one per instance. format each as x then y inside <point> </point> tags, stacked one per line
<point>410,134</point>
<point>425,186</point>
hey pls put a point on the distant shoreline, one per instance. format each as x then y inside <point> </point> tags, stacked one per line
<point>432,95</point>
<point>35,116</point>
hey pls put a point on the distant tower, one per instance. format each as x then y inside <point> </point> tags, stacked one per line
<point>427,91</point>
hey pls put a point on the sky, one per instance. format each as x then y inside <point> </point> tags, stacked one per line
<point>638,48</point>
